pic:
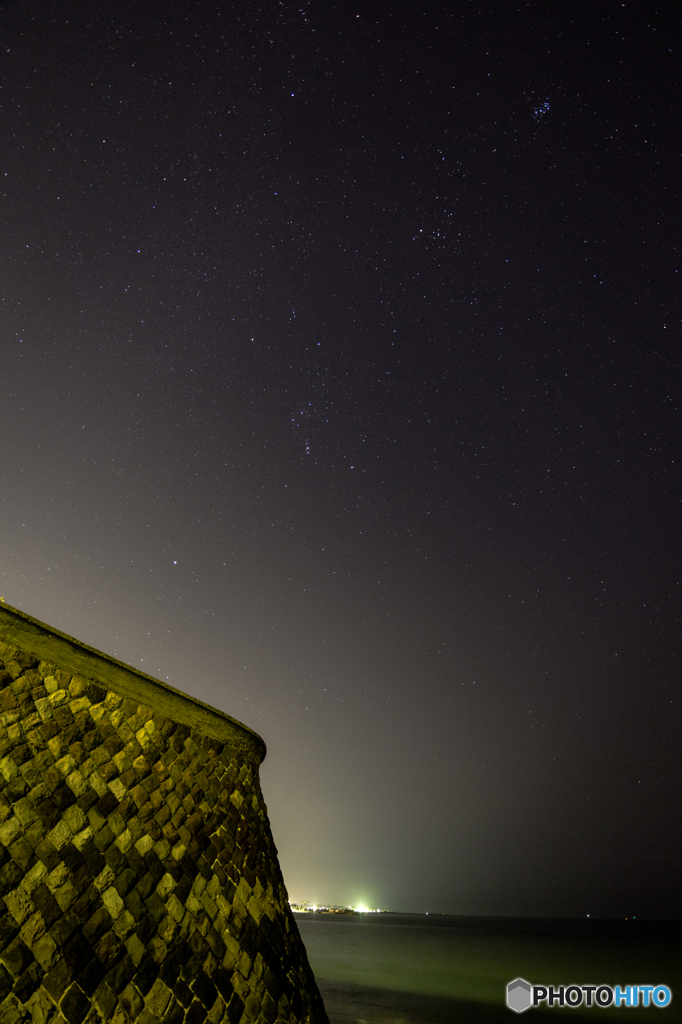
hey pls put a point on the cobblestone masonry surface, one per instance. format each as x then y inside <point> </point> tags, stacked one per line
<point>138,875</point>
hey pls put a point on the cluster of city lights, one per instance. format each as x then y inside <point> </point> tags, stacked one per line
<point>311,908</point>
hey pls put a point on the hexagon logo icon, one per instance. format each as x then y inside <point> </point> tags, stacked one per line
<point>519,995</point>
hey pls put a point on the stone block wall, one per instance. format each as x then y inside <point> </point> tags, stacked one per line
<point>138,876</point>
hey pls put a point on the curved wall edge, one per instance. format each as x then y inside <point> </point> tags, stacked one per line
<point>52,645</point>
<point>139,881</point>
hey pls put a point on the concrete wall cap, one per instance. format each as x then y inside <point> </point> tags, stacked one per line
<point>51,645</point>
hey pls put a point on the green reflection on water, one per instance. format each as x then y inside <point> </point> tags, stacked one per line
<point>475,963</point>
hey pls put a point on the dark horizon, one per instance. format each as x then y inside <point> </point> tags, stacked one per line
<point>519,923</point>
<point>341,388</point>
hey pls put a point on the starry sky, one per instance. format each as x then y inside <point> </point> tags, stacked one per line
<point>340,388</point>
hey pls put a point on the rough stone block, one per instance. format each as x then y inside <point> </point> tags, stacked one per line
<point>75,1005</point>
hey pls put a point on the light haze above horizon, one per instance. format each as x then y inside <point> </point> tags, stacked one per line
<point>340,386</point>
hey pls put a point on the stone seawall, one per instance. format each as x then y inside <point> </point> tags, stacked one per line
<point>138,876</point>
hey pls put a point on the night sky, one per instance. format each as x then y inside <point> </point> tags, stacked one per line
<point>340,384</point>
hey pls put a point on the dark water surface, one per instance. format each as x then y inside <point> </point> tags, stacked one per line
<point>413,969</point>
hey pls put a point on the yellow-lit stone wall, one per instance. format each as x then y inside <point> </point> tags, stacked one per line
<point>138,876</point>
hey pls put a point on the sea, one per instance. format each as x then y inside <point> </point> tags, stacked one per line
<point>436,969</point>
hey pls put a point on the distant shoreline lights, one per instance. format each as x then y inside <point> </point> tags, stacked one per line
<point>304,907</point>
